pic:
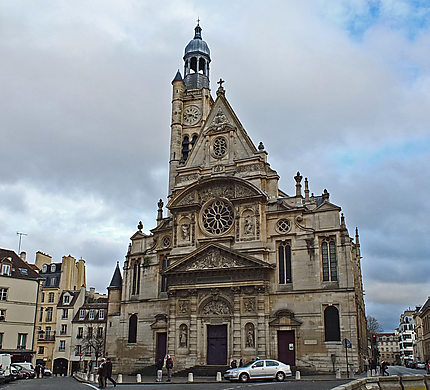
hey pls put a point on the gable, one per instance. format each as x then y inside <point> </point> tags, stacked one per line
<point>327,206</point>
<point>215,257</point>
<point>223,138</point>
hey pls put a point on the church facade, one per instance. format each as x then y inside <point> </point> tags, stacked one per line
<point>235,268</point>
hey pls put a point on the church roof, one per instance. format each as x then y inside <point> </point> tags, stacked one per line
<point>117,278</point>
<point>197,44</point>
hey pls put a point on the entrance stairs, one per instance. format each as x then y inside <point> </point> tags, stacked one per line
<point>202,371</point>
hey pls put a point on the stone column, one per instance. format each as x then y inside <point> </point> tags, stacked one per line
<point>171,328</point>
<point>236,350</point>
<point>261,326</point>
<point>193,325</point>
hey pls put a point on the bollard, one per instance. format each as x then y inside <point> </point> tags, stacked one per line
<point>369,373</point>
<point>119,379</point>
<point>338,374</point>
<point>91,377</point>
<point>298,375</point>
<point>218,377</point>
<point>85,377</point>
<point>96,379</point>
<point>138,378</point>
<point>190,377</point>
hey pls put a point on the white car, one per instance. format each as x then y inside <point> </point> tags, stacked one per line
<point>259,369</point>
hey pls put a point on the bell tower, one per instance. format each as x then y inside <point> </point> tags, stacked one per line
<point>191,103</point>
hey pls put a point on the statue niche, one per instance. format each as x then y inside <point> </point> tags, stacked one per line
<point>248,225</point>
<point>183,336</point>
<point>249,335</point>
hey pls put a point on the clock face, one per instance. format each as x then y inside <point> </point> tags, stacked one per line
<point>192,115</point>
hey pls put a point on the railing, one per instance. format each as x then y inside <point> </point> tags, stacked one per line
<point>46,337</point>
<point>20,347</point>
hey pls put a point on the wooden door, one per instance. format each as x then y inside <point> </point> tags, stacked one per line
<point>287,347</point>
<point>217,345</point>
<point>161,346</point>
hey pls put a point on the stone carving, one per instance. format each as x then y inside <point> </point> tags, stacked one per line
<point>189,177</point>
<point>248,226</point>
<point>223,190</point>
<point>244,191</point>
<point>250,335</point>
<point>185,231</point>
<point>249,167</point>
<point>249,304</point>
<point>187,199</point>
<point>184,307</point>
<point>183,336</point>
<point>213,259</point>
<point>217,307</point>
<point>219,118</point>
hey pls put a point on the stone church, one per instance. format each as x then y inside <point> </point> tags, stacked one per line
<point>235,268</point>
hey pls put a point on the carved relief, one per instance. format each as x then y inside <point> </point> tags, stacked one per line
<point>250,335</point>
<point>189,177</point>
<point>184,307</point>
<point>187,199</point>
<point>216,307</point>
<point>183,336</point>
<point>213,259</point>
<point>250,167</point>
<point>249,305</point>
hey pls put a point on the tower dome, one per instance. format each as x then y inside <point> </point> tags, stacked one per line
<point>197,59</point>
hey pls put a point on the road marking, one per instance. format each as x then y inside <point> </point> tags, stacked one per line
<point>94,387</point>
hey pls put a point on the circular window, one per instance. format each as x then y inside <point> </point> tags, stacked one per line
<point>283,225</point>
<point>220,147</point>
<point>166,241</point>
<point>217,216</point>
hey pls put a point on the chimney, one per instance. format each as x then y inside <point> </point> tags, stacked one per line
<point>23,256</point>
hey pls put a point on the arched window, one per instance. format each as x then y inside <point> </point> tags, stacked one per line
<point>331,324</point>
<point>132,329</point>
<point>329,260</point>
<point>185,148</point>
<point>193,141</point>
<point>284,260</point>
<point>193,65</point>
<point>202,65</point>
<point>136,280</point>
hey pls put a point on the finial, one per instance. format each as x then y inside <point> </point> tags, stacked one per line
<point>140,226</point>
<point>198,30</point>
<point>342,220</point>
<point>298,178</point>
<point>357,237</point>
<point>220,90</point>
<point>325,195</point>
<point>312,197</point>
<point>260,146</point>
<point>160,210</point>
<point>306,190</point>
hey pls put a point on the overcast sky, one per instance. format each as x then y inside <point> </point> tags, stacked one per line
<point>339,90</point>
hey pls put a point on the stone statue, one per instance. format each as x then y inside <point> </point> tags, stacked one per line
<point>185,230</point>
<point>183,336</point>
<point>248,226</point>
<point>250,337</point>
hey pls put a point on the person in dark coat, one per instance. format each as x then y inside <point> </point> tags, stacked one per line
<point>233,363</point>
<point>101,372</point>
<point>109,372</point>
<point>169,366</point>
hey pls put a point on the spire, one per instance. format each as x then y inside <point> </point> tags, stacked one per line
<point>178,77</point>
<point>357,241</point>
<point>307,200</point>
<point>198,31</point>
<point>116,281</point>
<point>298,178</point>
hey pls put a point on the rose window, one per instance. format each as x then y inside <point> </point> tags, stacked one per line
<point>220,147</point>
<point>283,225</point>
<point>218,217</point>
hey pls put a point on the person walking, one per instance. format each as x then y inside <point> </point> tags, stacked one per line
<point>169,366</point>
<point>109,372</point>
<point>233,363</point>
<point>159,366</point>
<point>37,370</point>
<point>101,372</point>
<point>365,364</point>
<point>384,366</point>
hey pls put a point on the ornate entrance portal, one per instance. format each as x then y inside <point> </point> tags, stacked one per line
<point>217,345</point>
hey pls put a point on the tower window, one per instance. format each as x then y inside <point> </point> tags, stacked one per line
<point>329,260</point>
<point>193,141</point>
<point>202,65</point>
<point>185,148</point>
<point>132,329</point>
<point>331,324</point>
<point>193,65</point>
<point>136,279</point>
<point>284,261</point>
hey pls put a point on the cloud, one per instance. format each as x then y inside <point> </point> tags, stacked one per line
<point>338,90</point>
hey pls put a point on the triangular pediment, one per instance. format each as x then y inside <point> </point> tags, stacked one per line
<point>221,122</point>
<point>284,317</point>
<point>327,206</point>
<point>216,257</point>
<point>138,235</point>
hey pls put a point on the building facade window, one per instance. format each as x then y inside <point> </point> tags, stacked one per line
<point>62,345</point>
<point>80,333</point>
<point>42,297</point>
<point>284,262</point>
<point>41,315</point>
<point>63,329</point>
<point>22,341</point>
<point>329,260</point>
<point>136,279</point>
<point>5,269</point>
<point>81,314</point>
<point>331,324</point>
<point>41,350</point>
<point>2,315</point>
<point>78,350</point>
<point>3,294</point>
<point>49,314</point>
<point>90,332</point>
<point>48,332</point>
<point>51,297</point>
<point>1,340</point>
<point>132,329</point>
<point>65,314</point>
<point>163,285</point>
<point>101,314</point>
<point>91,314</point>
<point>99,332</point>
<point>66,299</point>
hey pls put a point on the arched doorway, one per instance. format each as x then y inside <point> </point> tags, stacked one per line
<point>60,366</point>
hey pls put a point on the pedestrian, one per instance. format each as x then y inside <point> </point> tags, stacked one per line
<point>365,364</point>
<point>384,366</point>
<point>90,366</point>
<point>101,372</point>
<point>169,366</point>
<point>109,372</point>
<point>372,367</point>
<point>240,363</point>
<point>159,365</point>
<point>233,363</point>
<point>37,370</point>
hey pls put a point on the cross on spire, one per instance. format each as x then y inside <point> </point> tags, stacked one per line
<point>220,82</point>
<point>198,20</point>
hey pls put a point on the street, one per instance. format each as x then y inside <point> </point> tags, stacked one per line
<point>401,371</point>
<point>55,383</point>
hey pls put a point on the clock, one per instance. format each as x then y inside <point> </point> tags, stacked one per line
<point>191,115</point>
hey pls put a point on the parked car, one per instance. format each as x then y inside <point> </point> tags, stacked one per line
<point>47,371</point>
<point>15,372</point>
<point>2,377</point>
<point>26,374</point>
<point>259,369</point>
<point>26,365</point>
<point>421,365</point>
